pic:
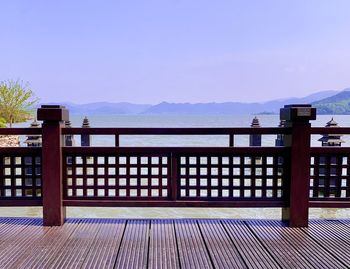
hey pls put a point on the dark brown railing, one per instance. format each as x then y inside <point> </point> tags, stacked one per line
<point>330,173</point>
<point>20,177</point>
<point>168,176</point>
<point>173,176</point>
<point>55,176</point>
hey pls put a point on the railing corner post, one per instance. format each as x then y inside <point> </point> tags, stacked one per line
<point>297,118</point>
<point>53,117</point>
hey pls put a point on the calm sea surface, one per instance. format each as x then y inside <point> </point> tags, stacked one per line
<point>183,121</point>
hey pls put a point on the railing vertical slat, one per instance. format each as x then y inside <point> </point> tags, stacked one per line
<point>339,162</point>
<point>232,140</point>
<point>116,141</point>
<point>2,183</point>
<point>174,176</point>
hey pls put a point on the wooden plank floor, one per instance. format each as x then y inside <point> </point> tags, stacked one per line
<point>163,244</point>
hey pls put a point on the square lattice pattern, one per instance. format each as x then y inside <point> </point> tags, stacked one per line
<point>20,177</point>
<point>239,177</point>
<point>329,177</point>
<point>117,176</point>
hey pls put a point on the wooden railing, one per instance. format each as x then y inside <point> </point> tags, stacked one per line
<point>330,173</point>
<point>55,176</point>
<point>20,177</point>
<point>190,176</point>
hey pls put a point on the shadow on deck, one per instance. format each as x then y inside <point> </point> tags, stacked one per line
<point>188,243</point>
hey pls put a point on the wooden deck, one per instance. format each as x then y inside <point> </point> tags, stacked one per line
<point>112,243</point>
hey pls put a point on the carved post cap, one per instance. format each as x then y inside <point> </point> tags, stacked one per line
<point>298,113</point>
<point>53,113</point>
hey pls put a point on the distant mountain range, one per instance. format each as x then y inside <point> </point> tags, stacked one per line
<point>234,107</point>
<point>327,102</point>
<point>107,108</point>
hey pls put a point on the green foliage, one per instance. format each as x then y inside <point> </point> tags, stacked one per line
<point>2,123</point>
<point>337,104</point>
<point>338,98</point>
<point>16,101</point>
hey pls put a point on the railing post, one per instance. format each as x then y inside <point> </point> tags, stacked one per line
<point>53,118</point>
<point>297,118</point>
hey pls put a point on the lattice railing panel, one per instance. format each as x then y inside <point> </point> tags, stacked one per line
<point>20,177</point>
<point>117,176</point>
<point>231,177</point>
<point>329,177</point>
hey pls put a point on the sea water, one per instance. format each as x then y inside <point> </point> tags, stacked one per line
<point>183,140</point>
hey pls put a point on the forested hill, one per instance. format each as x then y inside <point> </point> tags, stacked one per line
<point>337,104</point>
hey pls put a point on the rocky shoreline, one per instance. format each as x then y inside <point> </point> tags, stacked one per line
<point>9,141</point>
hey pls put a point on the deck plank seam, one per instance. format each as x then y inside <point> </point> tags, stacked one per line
<point>28,247</point>
<point>182,244</point>
<point>331,231</point>
<point>304,230</point>
<point>331,242</point>
<point>34,263</point>
<point>99,255</point>
<point>198,240</point>
<point>318,236</point>
<point>177,245</point>
<point>107,246</point>
<point>65,259</point>
<point>149,242</point>
<point>232,242</point>
<point>345,223</point>
<point>120,245</point>
<point>23,243</point>
<point>257,246</point>
<point>10,229</point>
<point>60,252</point>
<point>205,244</point>
<point>68,258</point>
<point>96,250</point>
<point>116,244</point>
<point>262,243</point>
<point>84,244</point>
<point>23,224</point>
<point>343,228</point>
<point>308,245</point>
<point>189,237</point>
<point>163,239</point>
<point>296,258</point>
<point>75,227</point>
<point>89,250</point>
<point>240,261</point>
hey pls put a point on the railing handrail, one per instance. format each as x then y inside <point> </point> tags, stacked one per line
<point>177,131</point>
<point>330,130</point>
<point>256,151</point>
<point>20,131</point>
<point>19,150</point>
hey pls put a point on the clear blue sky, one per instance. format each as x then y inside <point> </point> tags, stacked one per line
<point>175,50</point>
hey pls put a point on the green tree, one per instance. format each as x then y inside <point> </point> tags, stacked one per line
<point>16,101</point>
<point>2,123</point>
